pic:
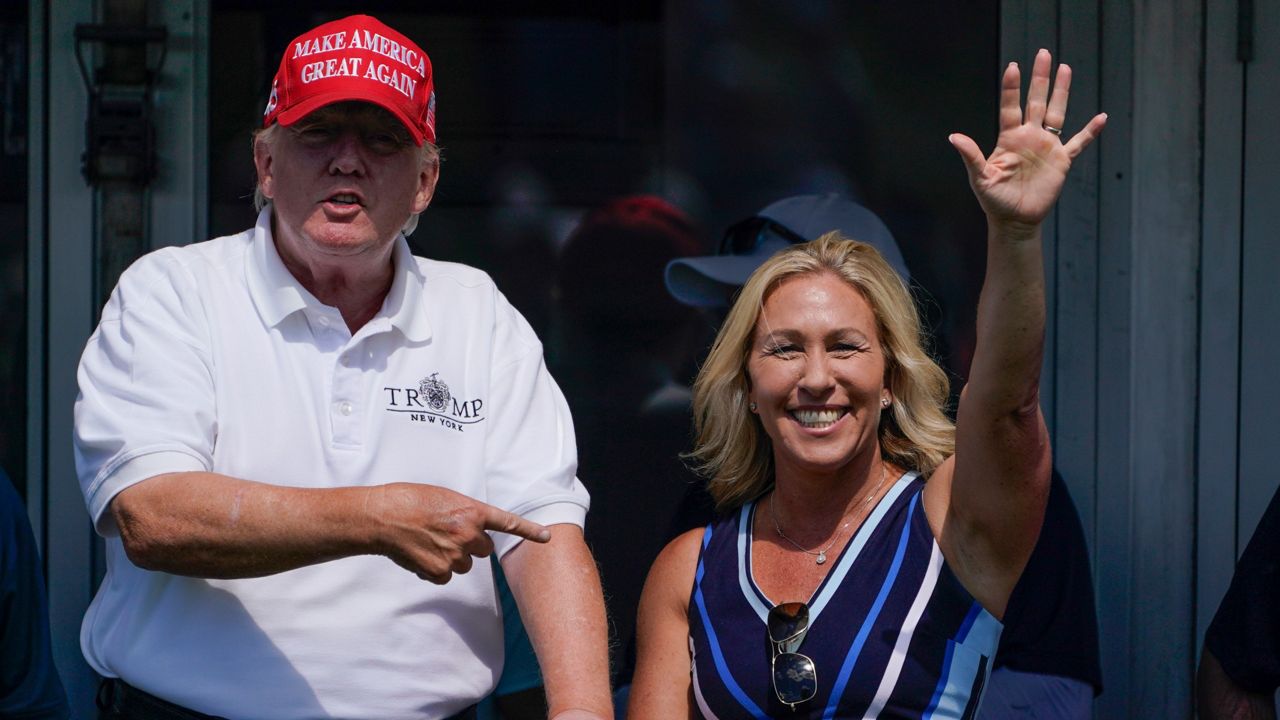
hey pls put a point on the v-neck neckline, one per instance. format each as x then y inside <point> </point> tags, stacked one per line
<point>839,567</point>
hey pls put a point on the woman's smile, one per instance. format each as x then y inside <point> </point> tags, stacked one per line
<point>818,418</point>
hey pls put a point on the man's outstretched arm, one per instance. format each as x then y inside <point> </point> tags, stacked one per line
<point>205,524</point>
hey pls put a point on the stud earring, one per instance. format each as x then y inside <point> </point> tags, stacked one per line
<point>751,407</point>
<point>884,402</point>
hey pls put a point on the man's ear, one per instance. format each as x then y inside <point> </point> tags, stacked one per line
<point>262,163</point>
<point>427,179</point>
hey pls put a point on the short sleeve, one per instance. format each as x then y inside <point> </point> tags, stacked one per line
<point>530,454</point>
<point>1245,632</point>
<point>146,404</point>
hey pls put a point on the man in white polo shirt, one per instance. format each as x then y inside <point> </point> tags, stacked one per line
<point>295,440</point>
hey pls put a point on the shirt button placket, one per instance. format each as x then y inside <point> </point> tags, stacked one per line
<point>347,410</point>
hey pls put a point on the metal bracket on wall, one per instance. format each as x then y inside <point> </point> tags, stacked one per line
<point>119,135</point>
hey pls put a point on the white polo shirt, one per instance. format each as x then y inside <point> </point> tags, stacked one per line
<point>213,357</point>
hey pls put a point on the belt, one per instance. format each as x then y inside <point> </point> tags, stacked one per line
<point>118,700</point>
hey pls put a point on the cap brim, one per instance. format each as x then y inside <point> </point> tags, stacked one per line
<point>709,281</point>
<point>314,103</point>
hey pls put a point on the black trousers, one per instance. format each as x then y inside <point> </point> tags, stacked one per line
<point>118,700</point>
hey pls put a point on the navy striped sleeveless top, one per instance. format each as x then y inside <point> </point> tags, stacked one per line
<point>892,632</point>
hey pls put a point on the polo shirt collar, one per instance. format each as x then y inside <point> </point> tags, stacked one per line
<point>274,289</point>
<point>278,294</point>
<point>404,305</point>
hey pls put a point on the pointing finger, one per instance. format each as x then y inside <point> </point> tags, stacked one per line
<point>503,521</point>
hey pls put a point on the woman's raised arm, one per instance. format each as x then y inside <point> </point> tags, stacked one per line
<point>996,484</point>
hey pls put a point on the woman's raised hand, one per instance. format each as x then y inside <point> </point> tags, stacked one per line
<point>1021,180</point>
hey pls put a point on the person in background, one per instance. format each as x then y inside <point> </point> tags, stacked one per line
<point>1240,664</point>
<point>711,282</point>
<point>625,361</point>
<point>29,684</point>
<point>622,331</point>
<point>297,440</point>
<point>1047,662</point>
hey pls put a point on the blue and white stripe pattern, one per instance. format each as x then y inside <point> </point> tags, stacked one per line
<point>892,632</point>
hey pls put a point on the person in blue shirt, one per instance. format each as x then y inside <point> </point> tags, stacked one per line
<point>29,683</point>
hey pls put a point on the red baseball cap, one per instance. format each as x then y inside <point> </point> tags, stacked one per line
<point>355,58</point>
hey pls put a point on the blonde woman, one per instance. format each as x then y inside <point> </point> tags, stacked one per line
<point>869,547</point>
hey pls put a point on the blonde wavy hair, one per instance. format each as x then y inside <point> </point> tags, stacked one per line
<point>732,449</point>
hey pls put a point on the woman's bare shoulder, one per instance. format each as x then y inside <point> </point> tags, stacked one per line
<point>679,558</point>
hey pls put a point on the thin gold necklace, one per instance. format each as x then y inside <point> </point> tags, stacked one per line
<point>820,556</point>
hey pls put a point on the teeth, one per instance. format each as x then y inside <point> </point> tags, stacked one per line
<point>345,198</point>
<point>816,418</point>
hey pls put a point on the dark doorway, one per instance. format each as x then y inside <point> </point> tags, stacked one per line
<point>13,242</point>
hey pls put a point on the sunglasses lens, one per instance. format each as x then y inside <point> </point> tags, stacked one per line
<point>744,237</point>
<point>788,620</point>
<point>795,679</point>
<point>784,232</point>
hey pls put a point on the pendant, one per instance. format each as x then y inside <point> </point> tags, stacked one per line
<point>822,557</point>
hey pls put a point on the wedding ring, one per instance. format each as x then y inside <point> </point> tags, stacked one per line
<point>1054,130</point>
